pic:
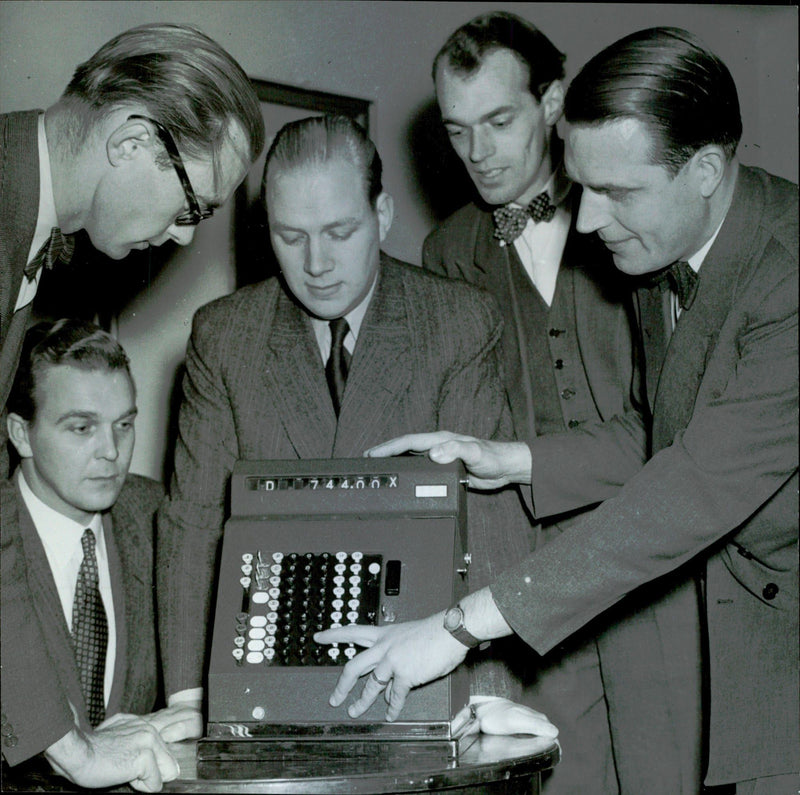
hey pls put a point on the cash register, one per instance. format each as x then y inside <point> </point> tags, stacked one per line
<point>314,544</point>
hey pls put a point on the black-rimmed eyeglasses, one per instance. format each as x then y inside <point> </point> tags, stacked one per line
<point>194,214</point>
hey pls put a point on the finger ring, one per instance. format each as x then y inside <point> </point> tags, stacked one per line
<point>379,681</point>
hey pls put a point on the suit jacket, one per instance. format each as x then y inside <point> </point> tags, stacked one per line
<point>52,719</point>
<point>19,207</point>
<point>463,247</point>
<point>720,493</point>
<point>129,540</point>
<point>617,662</point>
<point>255,389</point>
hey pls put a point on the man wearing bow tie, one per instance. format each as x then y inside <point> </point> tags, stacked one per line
<point>107,158</point>
<point>125,156</point>
<point>567,342</point>
<point>653,130</point>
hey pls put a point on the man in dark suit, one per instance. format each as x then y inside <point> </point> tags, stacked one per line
<point>108,158</point>
<point>272,371</point>
<point>654,125</point>
<point>86,531</point>
<point>569,360</point>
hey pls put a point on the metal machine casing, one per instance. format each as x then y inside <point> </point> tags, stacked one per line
<point>408,512</point>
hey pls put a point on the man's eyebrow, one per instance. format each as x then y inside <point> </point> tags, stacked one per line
<point>341,222</point>
<point>93,415</point>
<point>77,415</point>
<point>282,227</point>
<point>486,116</point>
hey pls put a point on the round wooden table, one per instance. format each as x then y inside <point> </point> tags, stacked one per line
<point>492,764</point>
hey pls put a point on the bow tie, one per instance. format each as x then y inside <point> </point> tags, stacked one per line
<point>510,221</point>
<point>681,279</point>
<point>57,248</point>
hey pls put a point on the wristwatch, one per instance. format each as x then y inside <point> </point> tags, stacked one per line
<point>454,624</point>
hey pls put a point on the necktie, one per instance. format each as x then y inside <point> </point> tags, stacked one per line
<point>510,221</point>
<point>681,279</point>
<point>57,248</point>
<point>338,362</point>
<point>90,632</point>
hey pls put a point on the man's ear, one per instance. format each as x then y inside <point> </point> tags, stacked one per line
<point>708,166</point>
<point>129,140</point>
<point>384,207</point>
<point>18,433</point>
<point>552,102</point>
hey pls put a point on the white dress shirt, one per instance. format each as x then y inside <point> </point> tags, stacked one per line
<point>61,539</point>
<point>541,245</point>
<point>46,218</point>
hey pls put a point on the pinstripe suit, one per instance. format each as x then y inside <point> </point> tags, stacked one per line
<point>255,389</point>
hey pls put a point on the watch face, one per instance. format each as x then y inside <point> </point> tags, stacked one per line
<point>452,618</point>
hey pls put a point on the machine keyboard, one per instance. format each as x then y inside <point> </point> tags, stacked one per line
<point>287,597</point>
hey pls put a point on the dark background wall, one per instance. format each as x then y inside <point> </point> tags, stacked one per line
<point>381,52</point>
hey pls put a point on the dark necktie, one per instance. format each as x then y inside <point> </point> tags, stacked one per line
<point>90,632</point>
<point>509,222</point>
<point>338,362</point>
<point>681,279</point>
<point>57,248</point>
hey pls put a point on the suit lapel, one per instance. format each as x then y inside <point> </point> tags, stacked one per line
<point>19,166</point>
<point>294,379</point>
<point>123,591</point>
<point>698,328</point>
<point>381,367</point>
<point>494,269</point>
<point>655,337</point>
<point>49,612</point>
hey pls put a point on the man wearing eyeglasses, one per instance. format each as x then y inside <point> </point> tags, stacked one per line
<point>152,133</point>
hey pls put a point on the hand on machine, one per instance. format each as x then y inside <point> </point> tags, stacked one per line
<point>491,465</point>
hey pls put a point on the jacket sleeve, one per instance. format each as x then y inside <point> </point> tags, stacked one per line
<point>190,520</point>
<point>737,451</point>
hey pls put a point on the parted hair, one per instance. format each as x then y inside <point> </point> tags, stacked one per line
<point>319,139</point>
<point>184,79</point>
<point>466,48</point>
<point>667,79</point>
<point>69,342</point>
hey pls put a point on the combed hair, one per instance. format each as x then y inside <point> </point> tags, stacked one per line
<point>466,48</point>
<point>319,139</point>
<point>67,341</point>
<point>667,79</point>
<point>184,79</point>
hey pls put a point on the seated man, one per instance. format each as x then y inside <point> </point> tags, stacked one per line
<point>404,349</point>
<point>86,529</point>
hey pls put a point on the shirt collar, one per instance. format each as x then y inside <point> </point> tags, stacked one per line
<point>53,527</point>
<point>696,260</point>
<point>47,217</point>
